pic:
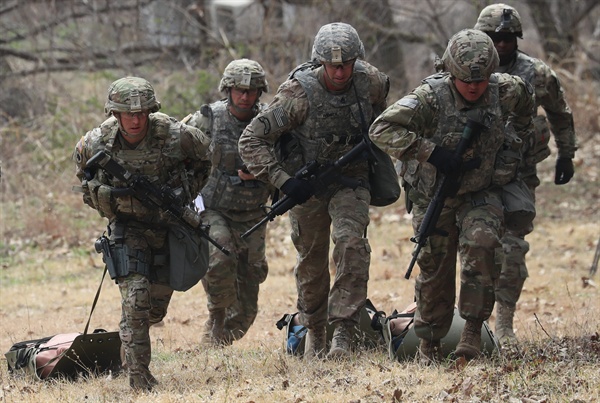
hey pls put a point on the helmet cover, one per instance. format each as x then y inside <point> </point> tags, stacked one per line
<point>470,56</point>
<point>500,18</point>
<point>131,94</point>
<point>337,43</point>
<point>245,74</point>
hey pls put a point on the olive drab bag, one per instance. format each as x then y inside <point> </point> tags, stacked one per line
<point>188,258</point>
<point>383,178</point>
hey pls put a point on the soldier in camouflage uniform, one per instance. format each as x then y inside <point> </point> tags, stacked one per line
<point>503,24</point>
<point>421,130</point>
<point>318,109</point>
<point>144,141</point>
<point>233,200</point>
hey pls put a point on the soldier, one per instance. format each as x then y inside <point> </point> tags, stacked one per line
<point>503,24</point>
<point>320,108</point>
<point>421,129</point>
<point>147,142</point>
<point>233,200</point>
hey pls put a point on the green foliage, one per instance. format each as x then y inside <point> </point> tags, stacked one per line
<point>183,94</point>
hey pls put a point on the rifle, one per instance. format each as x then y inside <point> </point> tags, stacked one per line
<point>447,187</point>
<point>321,176</point>
<point>594,266</point>
<point>152,196</point>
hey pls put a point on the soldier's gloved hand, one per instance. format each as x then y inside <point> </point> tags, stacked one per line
<point>564,171</point>
<point>298,189</point>
<point>444,160</point>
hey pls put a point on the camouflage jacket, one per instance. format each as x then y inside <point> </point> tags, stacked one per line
<point>325,124</point>
<point>225,191</point>
<point>550,96</point>
<point>435,114</point>
<point>171,154</point>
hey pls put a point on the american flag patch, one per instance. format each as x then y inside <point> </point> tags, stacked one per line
<point>279,116</point>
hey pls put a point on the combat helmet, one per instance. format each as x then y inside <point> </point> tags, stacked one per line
<point>470,56</point>
<point>245,74</point>
<point>337,43</point>
<point>500,18</point>
<point>131,94</point>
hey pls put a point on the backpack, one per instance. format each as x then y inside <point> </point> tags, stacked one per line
<point>66,355</point>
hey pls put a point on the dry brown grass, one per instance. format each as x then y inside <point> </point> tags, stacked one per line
<point>49,275</point>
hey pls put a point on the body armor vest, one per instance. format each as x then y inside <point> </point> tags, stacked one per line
<point>158,157</point>
<point>224,189</point>
<point>451,122</point>
<point>334,123</point>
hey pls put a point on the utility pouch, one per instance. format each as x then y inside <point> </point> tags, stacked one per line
<point>538,148</point>
<point>508,159</point>
<point>519,205</point>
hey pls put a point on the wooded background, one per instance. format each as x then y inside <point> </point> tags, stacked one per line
<point>155,38</point>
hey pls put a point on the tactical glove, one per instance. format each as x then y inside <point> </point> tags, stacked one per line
<point>447,162</point>
<point>564,171</point>
<point>298,189</point>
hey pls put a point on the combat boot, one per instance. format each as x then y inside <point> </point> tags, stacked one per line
<point>213,335</point>
<point>430,352</point>
<point>341,341</point>
<point>142,380</point>
<point>316,342</point>
<point>469,346</point>
<point>504,324</point>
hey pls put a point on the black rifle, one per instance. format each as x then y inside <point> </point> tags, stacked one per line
<point>447,187</point>
<point>321,176</point>
<point>152,196</point>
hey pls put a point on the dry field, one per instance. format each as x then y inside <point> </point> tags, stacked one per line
<point>47,285</point>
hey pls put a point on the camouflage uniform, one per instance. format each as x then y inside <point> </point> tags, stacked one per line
<point>233,206</point>
<point>549,94</point>
<point>171,154</point>
<point>434,115</point>
<point>324,126</point>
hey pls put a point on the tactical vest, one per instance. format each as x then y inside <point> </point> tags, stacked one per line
<point>451,123</point>
<point>224,189</point>
<point>334,123</point>
<point>158,156</point>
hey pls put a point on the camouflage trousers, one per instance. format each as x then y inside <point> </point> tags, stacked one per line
<point>344,216</point>
<point>474,223</point>
<point>514,268</point>
<point>143,304</point>
<point>232,282</point>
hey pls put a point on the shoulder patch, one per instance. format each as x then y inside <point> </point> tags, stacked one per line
<point>411,103</point>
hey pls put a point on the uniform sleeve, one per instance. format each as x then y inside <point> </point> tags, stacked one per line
<point>517,100</point>
<point>288,110</point>
<point>551,97</point>
<point>403,129</point>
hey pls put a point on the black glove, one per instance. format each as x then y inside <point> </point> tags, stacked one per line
<point>564,171</point>
<point>298,189</point>
<point>444,160</point>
